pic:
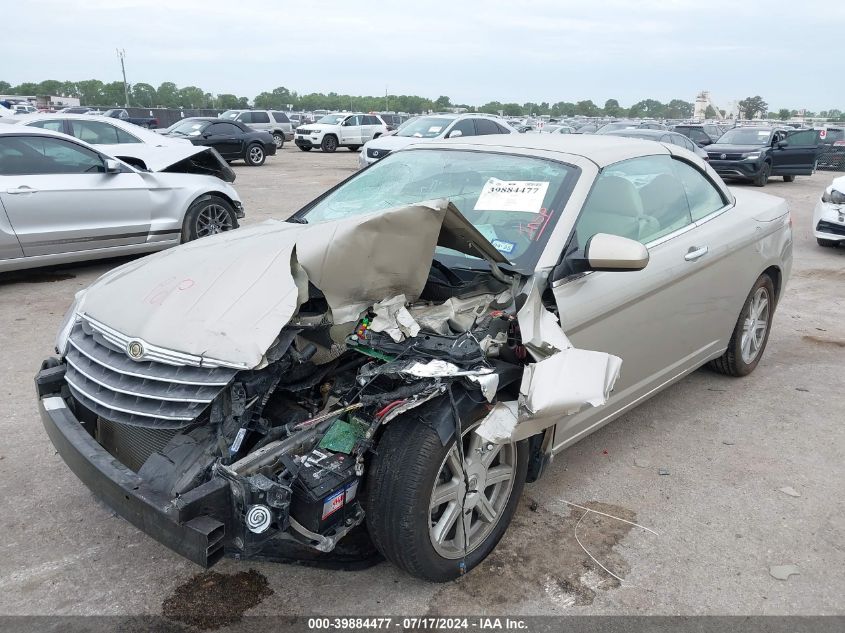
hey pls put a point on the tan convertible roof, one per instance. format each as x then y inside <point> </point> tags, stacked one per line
<point>601,149</point>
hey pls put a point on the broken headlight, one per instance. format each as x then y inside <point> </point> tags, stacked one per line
<point>834,197</point>
<point>68,321</point>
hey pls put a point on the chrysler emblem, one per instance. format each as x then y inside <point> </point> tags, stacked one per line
<point>135,349</point>
<point>723,156</point>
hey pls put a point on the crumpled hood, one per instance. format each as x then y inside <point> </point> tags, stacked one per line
<point>155,157</point>
<point>227,297</point>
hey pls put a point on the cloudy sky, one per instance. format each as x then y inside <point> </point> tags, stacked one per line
<point>472,51</point>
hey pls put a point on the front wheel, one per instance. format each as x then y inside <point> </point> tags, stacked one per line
<point>329,144</point>
<point>762,178</point>
<point>208,215</point>
<point>254,155</point>
<point>751,332</point>
<point>433,514</point>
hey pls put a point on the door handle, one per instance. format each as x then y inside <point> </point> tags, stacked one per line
<point>21,189</point>
<point>695,252</point>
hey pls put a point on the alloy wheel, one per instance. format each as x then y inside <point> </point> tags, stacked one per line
<point>464,511</point>
<point>755,326</point>
<point>256,154</point>
<point>213,219</point>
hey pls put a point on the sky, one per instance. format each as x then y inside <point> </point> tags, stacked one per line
<point>472,51</point>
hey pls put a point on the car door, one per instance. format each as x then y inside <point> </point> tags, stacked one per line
<point>350,131</point>
<point>225,137</point>
<point>799,154</point>
<point>370,127</point>
<point>676,313</point>
<point>59,199</point>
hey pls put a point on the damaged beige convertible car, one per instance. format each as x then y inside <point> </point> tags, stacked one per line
<point>403,354</point>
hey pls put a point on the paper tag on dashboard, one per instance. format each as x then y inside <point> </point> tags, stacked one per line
<point>512,195</point>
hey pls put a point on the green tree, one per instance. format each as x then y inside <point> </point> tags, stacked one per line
<point>679,109</point>
<point>442,103</point>
<point>491,107</point>
<point>587,108</point>
<point>647,108</point>
<point>783,114</point>
<point>752,106</point>
<point>243,102</point>
<point>563,108</point>
<point>144,95</point>
<point>26,88</point>
<point>227,101</point>
<point>168,95</point>
<point>612,108</point>
<point>90,92</point>
<point>191,97</point>
<point>710,112</point>
<point>5,86</point>
<point>512,109</point>
<point>49,87</point>
<point>112,94</point>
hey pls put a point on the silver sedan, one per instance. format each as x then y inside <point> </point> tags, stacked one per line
<point>411,347</point>
<point>62,200</point>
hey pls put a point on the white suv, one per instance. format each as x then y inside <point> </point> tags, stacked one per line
<point>336,130</point>
<point>273,121</point>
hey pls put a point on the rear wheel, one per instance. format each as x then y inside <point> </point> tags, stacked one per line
<point>329,144</point>
<point>762,178</point>
<point>751,332</point>
<point>279,140</point>
<point>789,178</point>
<point>827,243</point>
<point>254,155</point>
<point>208,215</point>
<point>433,514</point>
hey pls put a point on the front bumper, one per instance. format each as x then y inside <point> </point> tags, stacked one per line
<point>746,169</point>
<point>194,525</point>
<point>239,209</point>
<point>307,141</point>
<point>829,221</point>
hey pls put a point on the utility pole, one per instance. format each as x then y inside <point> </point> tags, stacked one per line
<point>121,54</point>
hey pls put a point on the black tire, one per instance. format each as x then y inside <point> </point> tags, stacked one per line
<point>254,156</point>
<point>732,363</point>
<point>208,207</point>
<point>762,178</point>
<point>304,149</point>
<point>400,482</point>
<point>353,148</point>
<point>329,143</point>
<point>827,243</point>
<point>279,139</point>
<point>789,178</point>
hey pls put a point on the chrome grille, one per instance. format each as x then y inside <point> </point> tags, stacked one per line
<point>147,393</point>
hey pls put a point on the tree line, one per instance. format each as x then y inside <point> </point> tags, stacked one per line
<point>93,92</point>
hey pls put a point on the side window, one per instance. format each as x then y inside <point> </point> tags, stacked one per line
<point>125,137</point>
<point>371,120</point>
<point>94,132</point>
<point>641,199</point>
<point>702,195</point>
<point>698,135</point>
<point>260,117</point>
<point>486,126</point>
<point>503,129</point>
<point>803,137</point>
<point>53,124</point>
<point>281,117</point>
<point>244,117</point>
<point>352,121</point>
<point>466,126</point>
<point>46,155</point>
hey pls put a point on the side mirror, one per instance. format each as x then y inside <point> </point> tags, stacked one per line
<point>113,166</point>
<point>704,143</point>
<point>613,252</point>
<point>454,134</point>
<point>782,144</point>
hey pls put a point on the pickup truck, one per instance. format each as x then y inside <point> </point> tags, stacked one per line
<point>123,115</point>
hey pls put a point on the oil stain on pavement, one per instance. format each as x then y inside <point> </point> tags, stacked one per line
<point>539,559</point>
<point>211,600</point>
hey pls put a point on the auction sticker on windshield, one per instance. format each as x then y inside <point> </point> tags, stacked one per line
<point>514,195</point>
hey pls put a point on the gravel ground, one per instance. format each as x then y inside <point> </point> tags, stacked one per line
<point>722,521</point>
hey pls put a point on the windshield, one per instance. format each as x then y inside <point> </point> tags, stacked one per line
<point>512,200</point>
<point>188,128</point>
<point>332,119</point>
<point>745,136</point>
<point>230,114</point>
<point>425,127</point>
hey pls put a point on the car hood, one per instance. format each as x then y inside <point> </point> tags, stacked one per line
<point>181,157</point>
<point>228,296</point>
<point>313,127</point>
<point>733,149</point>
<point>393,142</point>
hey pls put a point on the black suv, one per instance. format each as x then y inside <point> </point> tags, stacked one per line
<point>701,133</point>
<point>832,155</point>
<point>756,153</point>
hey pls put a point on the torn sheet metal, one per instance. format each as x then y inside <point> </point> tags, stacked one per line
<point>392,316</point>
<point>257,276</point>
<point>453,315</point>
<point>541,332</point>
<point>498,426</point>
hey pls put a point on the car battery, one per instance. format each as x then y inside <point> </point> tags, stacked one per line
<point>324,490</point>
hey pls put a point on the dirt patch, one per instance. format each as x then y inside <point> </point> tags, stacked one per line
<point>210,600</point>
<point>539,559</point>
<point>820,340</point>
<point>827,274</point>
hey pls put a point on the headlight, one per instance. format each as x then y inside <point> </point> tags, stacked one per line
<point>752,156</point>
<point>833,196</point>
<point>68,321</point>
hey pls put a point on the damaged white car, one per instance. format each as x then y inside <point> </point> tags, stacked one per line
<point>400,357</point>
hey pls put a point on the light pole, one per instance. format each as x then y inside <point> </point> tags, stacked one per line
<point>121,53</point>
